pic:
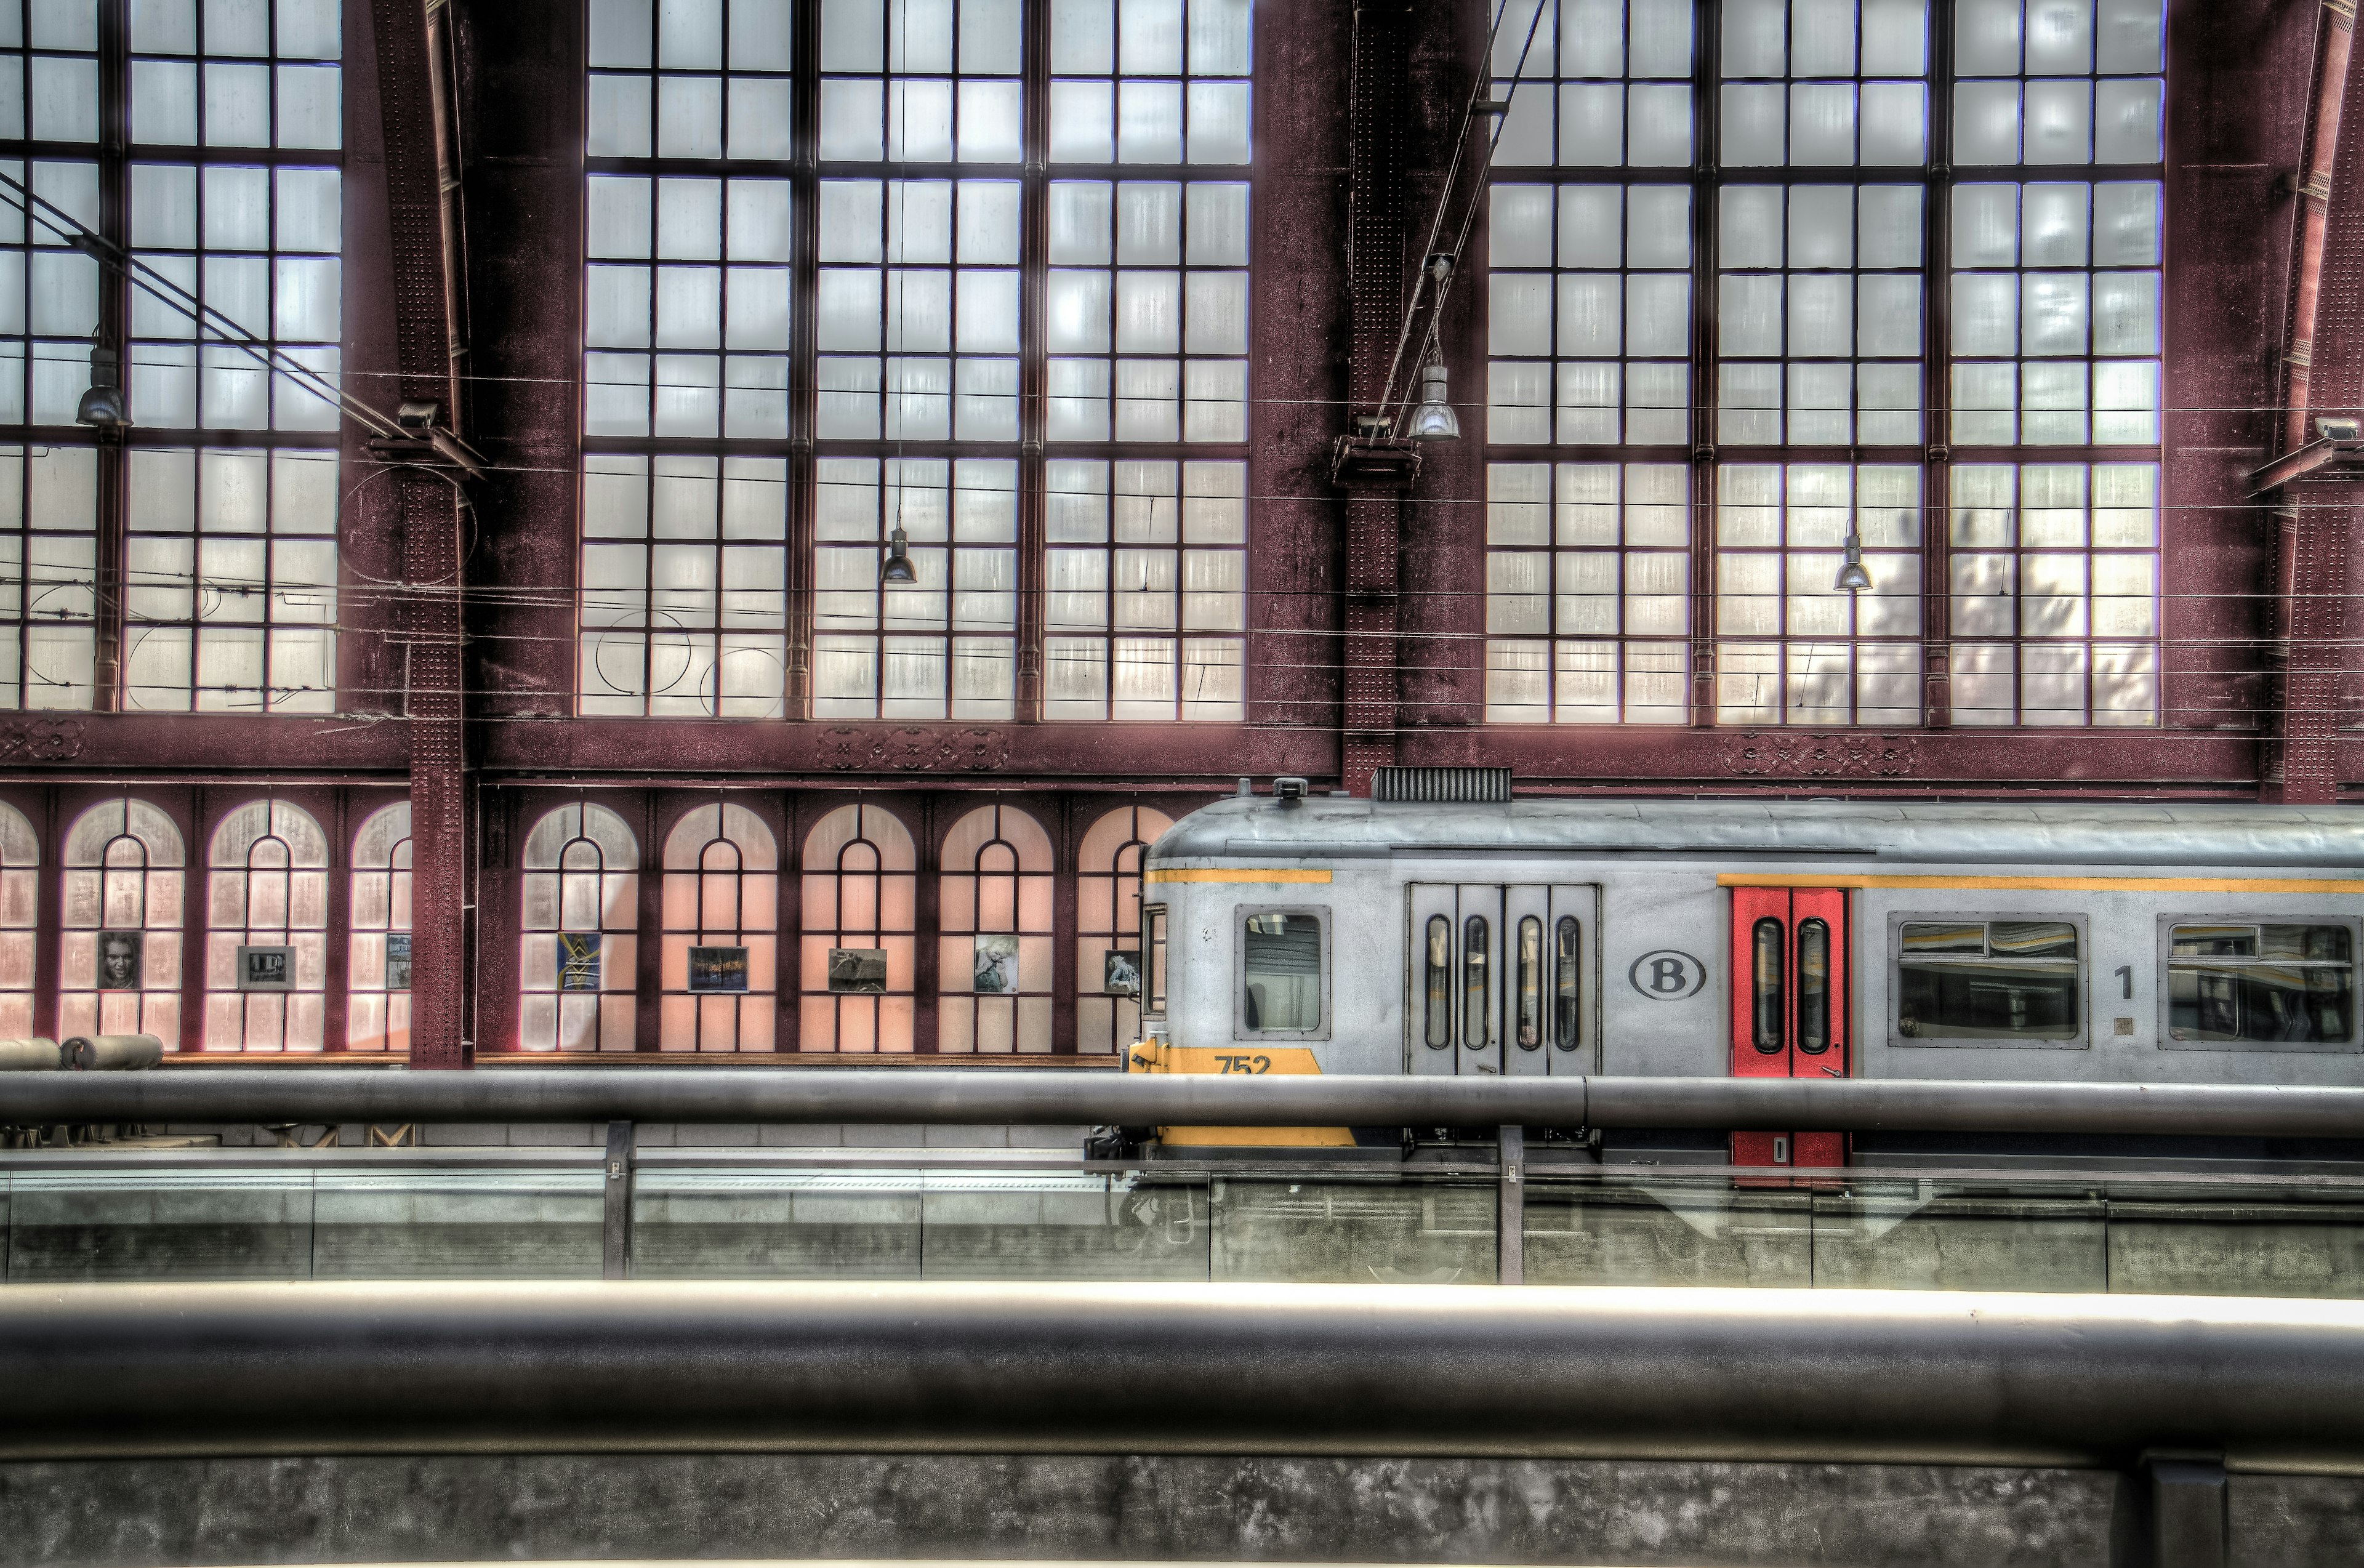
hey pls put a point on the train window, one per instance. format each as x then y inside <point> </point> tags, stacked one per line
<point>1152,947</point>
<point>1280,973</point>
<point>1531,984</point>
<point>1813,987</point>
<point>1438,1019</point>
<point>1476,940</point>
<point>1567,984</point>
<point>1764,983</point>
<point>1980,980</point>
<point>2261,985</point>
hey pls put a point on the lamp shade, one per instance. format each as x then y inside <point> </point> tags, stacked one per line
<point>1433,419</point>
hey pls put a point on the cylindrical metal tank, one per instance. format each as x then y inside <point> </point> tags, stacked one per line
<point>34,1055</point>
<point>92,1051</point>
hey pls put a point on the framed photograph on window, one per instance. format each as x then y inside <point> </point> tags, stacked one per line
<point>860,970</point>
<point>1119,973</point>
<point>397,960</point>
<point>119,954</point>
<point>995,970</point>
<point>718,969</point>
<point>266,968</point>
<point>578,961</point>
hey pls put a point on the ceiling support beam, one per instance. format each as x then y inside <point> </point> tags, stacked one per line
<point>2307,658</point>
<point>420,106</point>
<point>1374,490</point>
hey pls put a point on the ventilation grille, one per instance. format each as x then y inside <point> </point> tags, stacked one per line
<point>1443,787</point>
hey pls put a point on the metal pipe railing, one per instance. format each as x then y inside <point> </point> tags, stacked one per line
<point>1070,1098</point>
<point>122,1371</point>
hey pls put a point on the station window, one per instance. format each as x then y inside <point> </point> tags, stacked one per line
<point>377,1008</point>
<point>2233,985</point>
<point>268,889</point>
<point>1110,986</point>
<point>1990,982</point>
<point>860,899</point>
<point>722,912</point>
<point>1284,973</point>
<point>119,951</point>
<point>580,959</point>
<point>995,951</point>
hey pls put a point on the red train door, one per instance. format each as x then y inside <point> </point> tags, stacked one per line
<point>1788,1006</point>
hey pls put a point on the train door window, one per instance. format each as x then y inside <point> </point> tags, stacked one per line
<point>1153,942</point>
<point>1436,990</point>
<point>1767,995</point>
<point>1284,970</point>
<point>2266,984</point>
<point>1529,992</point>
<point>1567,984</point>
<point>1990,982</point>
<point>1477,946</point>
<point>1813,987</point>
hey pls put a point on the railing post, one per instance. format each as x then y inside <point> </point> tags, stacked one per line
<point>2187,1511</point>
<point>616,1238</point>
<point>1511,1207</point>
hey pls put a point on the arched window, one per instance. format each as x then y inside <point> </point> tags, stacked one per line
<point>20,862</point>
<point>377,1012</point>
<point>581,899</point>
<point>120,953</point>
<point>859,894</point>
<point>267,944</point>
<point>996,953</point>
<point>721,907</point>
<point>1107,920</point>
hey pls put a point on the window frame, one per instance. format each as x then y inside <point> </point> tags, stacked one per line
<point>1899,919</point>
<point>1241,915</point>
<point>2165,945</point>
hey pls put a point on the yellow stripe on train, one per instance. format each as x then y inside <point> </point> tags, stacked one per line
<point>1155,1056</point>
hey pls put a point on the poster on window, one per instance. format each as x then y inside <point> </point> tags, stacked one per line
<point>1119,973</point>
<point>266,968</point>
<point>397,960</point>
<point>995,971</point>
<point>718,969</point>
<point>119,960</point>
<point>578,961</point>
<point>859,970</point>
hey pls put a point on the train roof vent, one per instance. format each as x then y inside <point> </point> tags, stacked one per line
<point>1443,787</point>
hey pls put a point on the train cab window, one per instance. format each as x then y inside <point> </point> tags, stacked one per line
<point>1567,984</point>
<point>1531,984</point>
<point>1153,948</point>
<point>1989,980</point>
<point>2261,985</point>
<point>1281,964</point>
<point>1767,1003</point>
<point>1437,978</point>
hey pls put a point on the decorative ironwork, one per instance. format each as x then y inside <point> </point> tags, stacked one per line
<point>1758,753</point>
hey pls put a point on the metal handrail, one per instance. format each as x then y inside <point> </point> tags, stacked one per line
<point>1079,1098</point>
<point>118,1371</point>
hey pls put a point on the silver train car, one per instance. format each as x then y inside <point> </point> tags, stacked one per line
<point>2103,941</point>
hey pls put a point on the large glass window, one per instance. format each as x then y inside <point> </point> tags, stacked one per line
<point>721,912</point>
<point>1108,979</point>
<point>1729,254</point>
<point>860,905</point>
<point>1005,250</point>
<point>377,1007</point>
<point>267,938</point>
<point>995,954</point>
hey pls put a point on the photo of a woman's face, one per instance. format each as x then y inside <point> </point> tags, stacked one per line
<point>119,963</point>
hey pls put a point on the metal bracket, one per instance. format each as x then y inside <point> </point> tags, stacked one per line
<point>616,1238</point>
<point>1511,1207</point>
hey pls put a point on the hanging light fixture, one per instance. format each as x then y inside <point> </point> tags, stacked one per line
<point>1852,578</point>
<point>104,407</point>
<point>895,571</point>
<point>1433,421</point>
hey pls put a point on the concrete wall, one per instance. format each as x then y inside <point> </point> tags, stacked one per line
<point>191,1514</point>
